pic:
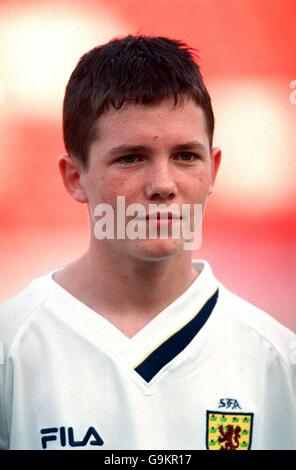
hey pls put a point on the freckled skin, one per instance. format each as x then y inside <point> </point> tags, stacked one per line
<point>159,177</point>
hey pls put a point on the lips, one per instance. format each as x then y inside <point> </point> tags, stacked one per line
<point>162,216</point>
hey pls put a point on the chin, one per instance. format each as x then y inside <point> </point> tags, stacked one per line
<point>156,250</point>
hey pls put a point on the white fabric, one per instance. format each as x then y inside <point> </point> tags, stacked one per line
<point>65,366</point>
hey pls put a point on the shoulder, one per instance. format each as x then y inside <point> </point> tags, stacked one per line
<point>15,312</point>
<point>258,326</point>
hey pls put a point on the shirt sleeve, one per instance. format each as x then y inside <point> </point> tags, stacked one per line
<point>4,437</point>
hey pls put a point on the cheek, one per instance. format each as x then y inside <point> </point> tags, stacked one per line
<point>196,189</point>
<point>109,187</point>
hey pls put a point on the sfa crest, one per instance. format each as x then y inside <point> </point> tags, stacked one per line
<point>229,431</point>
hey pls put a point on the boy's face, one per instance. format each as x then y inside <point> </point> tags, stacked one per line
<point>172,164</point>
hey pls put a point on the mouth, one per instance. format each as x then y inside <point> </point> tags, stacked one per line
<point>163,216</point>
<point>162,219</point>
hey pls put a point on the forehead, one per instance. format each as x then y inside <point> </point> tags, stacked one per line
<point>161,120</point>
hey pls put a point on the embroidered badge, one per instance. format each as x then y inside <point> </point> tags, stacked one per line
<point>229,431</point>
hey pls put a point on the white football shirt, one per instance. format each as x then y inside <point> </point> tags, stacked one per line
<point>210,371</point>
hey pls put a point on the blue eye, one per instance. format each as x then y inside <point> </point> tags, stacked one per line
<point>128,159</point>
<point>187,157</point>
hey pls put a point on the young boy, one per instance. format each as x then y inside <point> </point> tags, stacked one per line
<point>134,346</point>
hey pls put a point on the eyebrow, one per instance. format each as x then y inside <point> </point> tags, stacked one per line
<point>194,145</point>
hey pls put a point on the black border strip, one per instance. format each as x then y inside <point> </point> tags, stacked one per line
<point>168,350</point>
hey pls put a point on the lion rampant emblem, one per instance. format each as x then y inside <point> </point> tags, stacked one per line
<point>230,436</point>
<point>229,431</point>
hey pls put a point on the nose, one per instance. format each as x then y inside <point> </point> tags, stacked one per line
<point>160,183</point>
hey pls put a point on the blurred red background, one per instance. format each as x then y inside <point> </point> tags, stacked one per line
<point>247,56</point>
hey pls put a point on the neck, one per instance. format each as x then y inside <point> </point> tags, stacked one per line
<point>141,283</point>
<point>127,292</point>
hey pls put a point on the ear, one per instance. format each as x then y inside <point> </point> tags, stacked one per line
<point>71,171</point>
<point>216,160</point>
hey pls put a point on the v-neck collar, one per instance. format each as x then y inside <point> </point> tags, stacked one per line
<point>134,351</point>
<point>166,352</point>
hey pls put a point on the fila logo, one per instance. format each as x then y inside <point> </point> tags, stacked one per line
<point>66,436</point>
